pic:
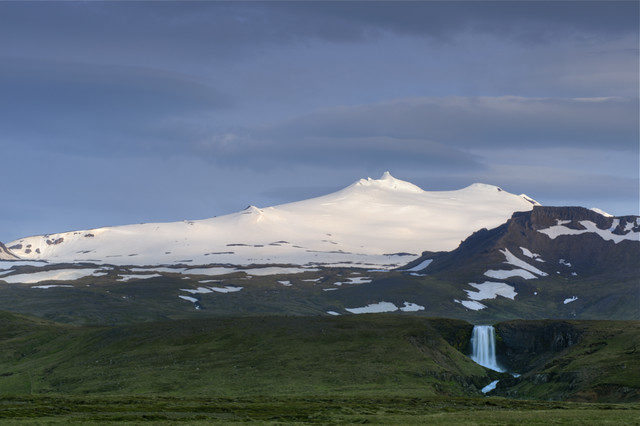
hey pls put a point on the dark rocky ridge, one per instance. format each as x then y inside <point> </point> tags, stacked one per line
<point>587,252</point>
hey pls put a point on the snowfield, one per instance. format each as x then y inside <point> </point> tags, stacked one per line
<point>471,304</point>
<point>570,299</point>
<point>376,308</point>
<point>419,267</point>
<point>491,290</point>
<point>521,264</point>
<point>374,223</point>
<point>503,275</point>
<point>53,275</point>
<point>559,229</point>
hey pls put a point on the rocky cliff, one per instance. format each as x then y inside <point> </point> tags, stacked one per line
<point>524,345</point>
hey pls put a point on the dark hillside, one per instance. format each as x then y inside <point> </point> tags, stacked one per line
<point>363,355</point>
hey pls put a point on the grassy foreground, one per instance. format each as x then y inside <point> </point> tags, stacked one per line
<point>236,357</point>
<point>379,369</point>
<point>437,410</point>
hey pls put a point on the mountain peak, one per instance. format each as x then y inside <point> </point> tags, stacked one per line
<point>387,181</point>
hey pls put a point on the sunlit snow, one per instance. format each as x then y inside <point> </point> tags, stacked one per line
<point>372,223</point>
<point>53,275</point>
<point>555,231</point>
<point>571,299</point>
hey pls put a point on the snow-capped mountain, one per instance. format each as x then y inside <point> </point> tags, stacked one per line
<point>383,223</point>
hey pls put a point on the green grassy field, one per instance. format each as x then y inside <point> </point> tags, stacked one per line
<point>371,355</point>
<point>47,410</point>
<point>379,369</point>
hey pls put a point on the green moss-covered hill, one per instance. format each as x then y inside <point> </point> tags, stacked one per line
<point>370,355</point>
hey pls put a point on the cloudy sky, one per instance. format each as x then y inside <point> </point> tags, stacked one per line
<point>114,113</point>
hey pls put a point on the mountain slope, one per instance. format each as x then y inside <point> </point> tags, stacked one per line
<point>557,262</point>
<point>382,223</point>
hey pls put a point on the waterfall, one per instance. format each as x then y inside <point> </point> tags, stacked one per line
<point>483,343</point>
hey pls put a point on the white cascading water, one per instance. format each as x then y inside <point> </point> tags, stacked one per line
<point>483,343</point>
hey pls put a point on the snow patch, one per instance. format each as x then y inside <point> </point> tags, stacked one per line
<point>571,299</point>
<point>285,283</point>
<point>503,275</point>
<point>470,304</point>
<point>53,275</point>
<point>11,264</point>
<point>490,290</point>
<point>188,298</point>
<point>374,308</point>
<point>606,234</point>
<point>277,271</point>
<point>209,271</point>
<point>199,290</point>
<point>601,212</point>
<point>51,286</point>
<point>159,269</point>
<point>530,255</point>
<point>411,307</point>
<point>125,278</point>
<point>419,267</point>
<point>354,280</point>
<point>332,313</point>
<point>226,289</point>
<point>518,263</point>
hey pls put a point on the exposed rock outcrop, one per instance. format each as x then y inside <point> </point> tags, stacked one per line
<point>523,345</point>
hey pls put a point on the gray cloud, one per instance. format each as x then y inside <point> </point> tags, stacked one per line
<point>96,109</point>
<point>149,28</point>
<point>467,122</point>
<point>233,150</point>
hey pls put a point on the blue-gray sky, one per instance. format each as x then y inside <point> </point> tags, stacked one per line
<point>125,112</point>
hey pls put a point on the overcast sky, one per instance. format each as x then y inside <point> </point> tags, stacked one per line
<point>114,113</point>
